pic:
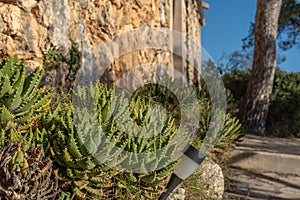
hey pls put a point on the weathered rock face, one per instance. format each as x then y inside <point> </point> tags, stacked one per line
<point>30,28</point>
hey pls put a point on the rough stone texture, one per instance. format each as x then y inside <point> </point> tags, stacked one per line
<point>207,182</point>
<point>30,28</point>
<point>213,179</point>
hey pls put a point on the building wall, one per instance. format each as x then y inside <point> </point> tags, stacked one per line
<point>31,28</point>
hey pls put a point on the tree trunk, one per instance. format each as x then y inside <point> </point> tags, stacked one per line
<point>260,85</point>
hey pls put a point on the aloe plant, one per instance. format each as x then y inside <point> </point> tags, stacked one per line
<point>231,132</point>
<point>25,174</point>
<point>21,101</point>
<point>27,139</point>
<point>64,196</point>
<point>93,146</point>
<point>87,176</point>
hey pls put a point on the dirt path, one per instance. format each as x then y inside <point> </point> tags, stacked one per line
<point>265,168</point>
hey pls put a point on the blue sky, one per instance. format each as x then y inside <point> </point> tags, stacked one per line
<point>227,23</point>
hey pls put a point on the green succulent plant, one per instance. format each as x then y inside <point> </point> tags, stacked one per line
<point>21,101</point>
<point>64,196</point>
<point>153,169</point>
<point>231,132</point>
<point>27,139</point>
<point>25,174</point>
<point>86,175</point>
<point>93,145</point>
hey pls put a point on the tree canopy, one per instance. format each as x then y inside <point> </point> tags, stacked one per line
<point>288,27</point>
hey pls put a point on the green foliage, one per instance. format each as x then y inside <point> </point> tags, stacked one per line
<point>196,187</point>
<point>231,129</point>
<point>26,172</point>
<point>52,59</point>
<point>236,82</point>
<point>64,196</point>
<point>231,132</point>
<point>21,101</point>
<point>26,175</point>
<point>205,109</point>
<point>160,94</point>
<point>289,23</point>
<point>27,139</point>
<point>61,69</point>
<point>90,138</point>
<point>288,27</point>
<point>76,164</point>
<point>75,55</point>
<point>284,113</point>
<point>87,139</point>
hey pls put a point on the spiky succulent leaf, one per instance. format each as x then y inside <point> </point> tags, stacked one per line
<point>5,115</point>
<point>76,163</point>
<point>90,138</point>
<point>65,196</point>
<point>21,101</point>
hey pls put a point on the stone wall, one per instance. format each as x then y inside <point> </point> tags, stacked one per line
<point>30,28</point>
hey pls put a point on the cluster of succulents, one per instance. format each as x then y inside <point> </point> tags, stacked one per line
<point>21,101</point>
<point>78,149</point>
<point>26,170</point>
<point>90,138</point>
<point>99,146</point>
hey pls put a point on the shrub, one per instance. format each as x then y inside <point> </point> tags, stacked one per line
<point>22,105</point>
<point>61,71</point>
<point>284,114</point>
<point>236,82</point>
